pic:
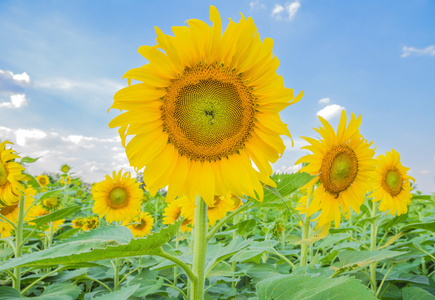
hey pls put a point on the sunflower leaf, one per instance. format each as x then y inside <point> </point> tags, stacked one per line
<point>54,216</point>
<point>288,287</point>
<point>93,248</point>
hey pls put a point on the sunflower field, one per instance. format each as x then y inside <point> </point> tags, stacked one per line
<point>205,217</point>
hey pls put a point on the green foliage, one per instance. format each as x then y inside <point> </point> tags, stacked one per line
<point>289,287</point>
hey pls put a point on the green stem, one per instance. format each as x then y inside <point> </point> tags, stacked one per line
<point>16,284</point>
<point>305,235</point>
<point>199,249</point>
<point>284,258</point>
<point>176,288</point>
<point>177,242</point>
<point>41,278</point>
<point>373,247</point>
<point>306,230</point>
<point>383,280</point>
<point>192,277</point>
<point>227,218</point>
<point>116,276</point>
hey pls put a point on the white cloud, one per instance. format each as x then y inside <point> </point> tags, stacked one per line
<point>286,12</point>
<point>330,112</point>
<point>407,51</point>
<point>324,100</point>
<point>91,158</point>
<point>17,101</point>
<point>25,134</point>
<point>425,171</point>
<point>68,84</point>
<point>254,5</point>
<point>288,169</point>
<point>8,79</point>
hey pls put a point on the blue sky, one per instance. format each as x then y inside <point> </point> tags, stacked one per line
<point>61,63</point>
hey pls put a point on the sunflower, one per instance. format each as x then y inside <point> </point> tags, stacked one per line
<point>208,104</point>
<point>63,178</point>
<point>39,211</point>
<point>51,204</point>
<point>10,212</point>
<point>391,185</point>
<point>220,207</point>
<point>90,223</point>
<point>180,207</point>
<point>78,222</point>
<point>65,168</point>
<point>343,163</point>
<point>143,224</point>
<point>43,180</point>
<point>10,175</point>
<point>117,197</point>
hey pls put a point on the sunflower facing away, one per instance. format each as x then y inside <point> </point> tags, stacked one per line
<point>180,207</point>
<point>391,185</point>
<point>143,224</point>
<point>207,104</point>
<point>117,197</point>
<point>10,175</point>
<point>343,162</point>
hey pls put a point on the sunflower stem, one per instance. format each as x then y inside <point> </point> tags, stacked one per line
<point>199,249</point>
<point>306,231</point>
<point>373,247</point>
<point>116,276</point>
<point>16,284</point>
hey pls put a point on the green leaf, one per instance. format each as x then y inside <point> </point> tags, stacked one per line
<point>61,291</point>
<point>5,253</point>
<point>286,184</point>
<point>32,181</point>
<point>429,226</point>
<point>57,215</point>
<point>416,293</point>
<point>356,259</point>
<point>67,234</point>
<point>244,227</point>
<point>122,294</point>
<point>93,249</point>
<point>217,252</point>
<point>148,287</point>
<point>120,234</point>
<point>333,239</point>
<point>27,159</point>
<point>421,197</point>
<point>9,293</point>
<point>289,287</point>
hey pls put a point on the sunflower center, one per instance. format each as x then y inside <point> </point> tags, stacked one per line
<point>42,181</point>
<point>393,182</point>
<point>3,173</point>
<point>140,226</point>
<point>208,112</point>
<point>339,169</point>
<point>8,209</point>
<point>118,197</point>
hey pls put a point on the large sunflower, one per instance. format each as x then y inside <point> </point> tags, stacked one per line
<point>117,197</point>
<point>10,175</point>
<point>391,185</point>
<point>208,104</point>
<point>343,162</point>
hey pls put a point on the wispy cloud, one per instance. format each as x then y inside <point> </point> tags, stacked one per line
<point>13,83</point>
<point>330,112</point>
<point>68,84</point>
<point>407,51</point>
<point>324,100</point>
<point>425,171</point>
<point>17,101</point>
<point>287,11</point>
<point>90,157</point>
<point>256,5</point>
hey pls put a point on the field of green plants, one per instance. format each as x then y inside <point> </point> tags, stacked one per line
<point>254,252</point>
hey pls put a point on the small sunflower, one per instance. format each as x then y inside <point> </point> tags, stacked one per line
<point>180,207</point>
<point>117,197</point>
<point>172,213</point>
<point>220,207</point>
<point>10,176</point>
<point>90,223</point>
<point>65,168</point>
<point>43,180</point>
<point>391,185</point>
<point>78,222</point>
<point>143,224</point>
<point>208,104</point>
<point>51,204</point>
<point>343,162</point>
